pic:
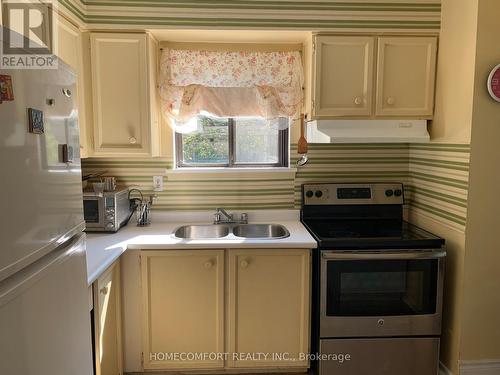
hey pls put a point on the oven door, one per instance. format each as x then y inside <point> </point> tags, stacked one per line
<point>93,212</point>
<point>377,294</point>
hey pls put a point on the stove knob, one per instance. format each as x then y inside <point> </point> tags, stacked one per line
<point>309,194</point>
<point>318,194</point>
<point>389,193</point>
<point>110,225</point>
<point>398,192</point>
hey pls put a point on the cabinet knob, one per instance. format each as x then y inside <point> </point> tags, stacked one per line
<point>208,264</point>
<point>104,290</point>
<point>390,100</point>
<point>244,264</point>
<point>132,140</point>
<point>358,100</point>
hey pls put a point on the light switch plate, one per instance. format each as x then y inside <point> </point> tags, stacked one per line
<point>158,183</point>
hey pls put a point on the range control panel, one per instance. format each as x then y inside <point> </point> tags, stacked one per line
<point>349,194</point>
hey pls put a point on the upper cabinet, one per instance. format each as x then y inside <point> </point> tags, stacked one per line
<point>344,84</point>
<point>70,51</point>
<point>343,76</point>
<point>406,69</point>
<point>125,114</point>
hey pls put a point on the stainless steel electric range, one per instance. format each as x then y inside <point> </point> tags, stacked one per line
<point>378,282</point>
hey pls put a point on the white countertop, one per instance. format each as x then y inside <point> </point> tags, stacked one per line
<point>104,248</point>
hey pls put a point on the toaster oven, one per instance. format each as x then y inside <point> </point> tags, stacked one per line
<point>106,213</point>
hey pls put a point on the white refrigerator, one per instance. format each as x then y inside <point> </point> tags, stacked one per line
<point>45,324</point>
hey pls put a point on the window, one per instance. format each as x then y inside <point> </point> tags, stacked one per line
<point>233,142</point>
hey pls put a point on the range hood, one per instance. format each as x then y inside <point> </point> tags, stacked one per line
<point>367,131</point>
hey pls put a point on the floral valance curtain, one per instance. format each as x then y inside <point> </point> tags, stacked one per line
<point>230,84</point>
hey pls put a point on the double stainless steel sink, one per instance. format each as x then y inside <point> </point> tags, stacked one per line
<point>212,231</point>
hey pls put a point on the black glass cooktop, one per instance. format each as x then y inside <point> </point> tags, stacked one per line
<point>370,234</point>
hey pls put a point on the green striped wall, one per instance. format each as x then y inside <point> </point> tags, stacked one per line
<point>201,191</point>
<point>435,175</point>
<point>438,181</point>
<point>352,163</point>
<point>435,178</point>
<point>321,15</point>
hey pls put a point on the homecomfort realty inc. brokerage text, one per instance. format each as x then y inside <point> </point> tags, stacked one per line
<point>255,356</point>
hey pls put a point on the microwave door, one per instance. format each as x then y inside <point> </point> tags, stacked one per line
<point>93,212</point>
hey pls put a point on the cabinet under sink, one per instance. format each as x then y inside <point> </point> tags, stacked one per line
<point>213,307</point>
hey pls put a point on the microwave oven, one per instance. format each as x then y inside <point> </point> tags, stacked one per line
<point>106,213</point>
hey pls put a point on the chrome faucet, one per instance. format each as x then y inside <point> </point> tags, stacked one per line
<point>221,216</point>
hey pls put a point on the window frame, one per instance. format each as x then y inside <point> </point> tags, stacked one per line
<point>283,152</point>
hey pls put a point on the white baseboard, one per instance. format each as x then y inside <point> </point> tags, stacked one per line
<point>485,367</point>
<point>443,370</point>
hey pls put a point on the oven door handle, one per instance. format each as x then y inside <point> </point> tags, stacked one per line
<point>384,256</point>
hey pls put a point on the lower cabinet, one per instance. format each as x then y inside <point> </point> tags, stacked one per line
<point>268,307</point>
<point>183,302</point>
<point>214,309</point>
<point>107,322</point>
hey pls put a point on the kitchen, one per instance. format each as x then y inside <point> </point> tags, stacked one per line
<point>267,187</point>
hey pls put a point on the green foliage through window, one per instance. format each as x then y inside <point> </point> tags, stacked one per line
<point>231,142</point>
<point>209,144</point>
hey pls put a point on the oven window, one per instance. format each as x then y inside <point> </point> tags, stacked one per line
<point>91,210</point>
<point>381,287</point>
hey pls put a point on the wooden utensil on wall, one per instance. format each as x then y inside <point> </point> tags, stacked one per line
<point>302,143</point>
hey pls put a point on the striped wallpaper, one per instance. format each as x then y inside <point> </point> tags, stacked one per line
<point>435,178</point>
<point>352,163</point>
<point>438,181</point>
<point>317,15</point>
<point>201,190</point>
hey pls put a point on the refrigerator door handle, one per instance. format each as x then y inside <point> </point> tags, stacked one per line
<point>66,153</point>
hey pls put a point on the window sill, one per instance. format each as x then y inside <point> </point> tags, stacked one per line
<point>209,170</point>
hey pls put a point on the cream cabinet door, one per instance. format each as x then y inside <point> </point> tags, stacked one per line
<point>68,44</point>
<point>107,321</point>
<point>183,302</point>
<point>343,76</point>
<point>268,307</point>
<point>405,76</point>
<point>120,88</point>
<point>70,51</point>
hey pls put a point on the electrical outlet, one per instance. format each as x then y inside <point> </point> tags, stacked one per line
<point>158,183</point>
